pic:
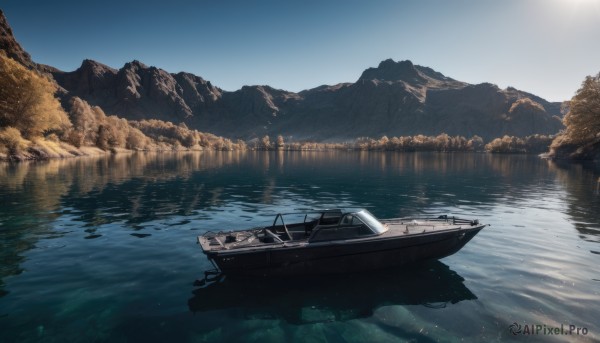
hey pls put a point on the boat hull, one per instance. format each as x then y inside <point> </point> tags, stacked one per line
<point>344,257</point>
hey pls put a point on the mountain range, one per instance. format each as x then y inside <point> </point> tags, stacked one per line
<point>393,99</point>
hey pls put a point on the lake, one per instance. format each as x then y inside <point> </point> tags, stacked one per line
<point>104,249</point>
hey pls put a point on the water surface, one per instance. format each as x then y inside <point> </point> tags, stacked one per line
<point>103,249</point>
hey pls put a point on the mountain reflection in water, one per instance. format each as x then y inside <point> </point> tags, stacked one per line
<point>333,298</point>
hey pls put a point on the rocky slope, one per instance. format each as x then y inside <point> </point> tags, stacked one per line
<point>9,44</point>
<point>395,98</point>
<point>399,98</point>
<point>13,49</point>
<point>137,91</point>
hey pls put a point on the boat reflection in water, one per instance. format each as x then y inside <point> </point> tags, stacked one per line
<point>334,297</point>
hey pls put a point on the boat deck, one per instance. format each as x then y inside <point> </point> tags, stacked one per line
<point>300,234</point>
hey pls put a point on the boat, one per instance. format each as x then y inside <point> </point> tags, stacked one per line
<point>334,241</point>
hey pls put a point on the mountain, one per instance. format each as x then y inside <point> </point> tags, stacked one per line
<point>137,91</point>
<point>399,98</point>
<point>393,99</point>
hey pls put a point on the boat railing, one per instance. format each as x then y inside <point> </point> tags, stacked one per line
<point>285,229</point>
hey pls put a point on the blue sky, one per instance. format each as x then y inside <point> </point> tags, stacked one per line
<point>546,47</point>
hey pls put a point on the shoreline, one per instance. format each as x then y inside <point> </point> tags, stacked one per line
<point>67,151</point>
<point>52,150</point>
<point>36,156</point>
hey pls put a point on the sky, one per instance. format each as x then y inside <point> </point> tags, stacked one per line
<point>545,47</point>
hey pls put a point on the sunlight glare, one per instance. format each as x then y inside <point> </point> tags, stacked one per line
<point>582,2</point>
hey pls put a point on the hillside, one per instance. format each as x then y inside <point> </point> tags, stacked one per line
<point>34,124</point>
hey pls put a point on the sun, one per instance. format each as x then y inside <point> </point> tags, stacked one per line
<point>581,5</point>
<point>582,2</point>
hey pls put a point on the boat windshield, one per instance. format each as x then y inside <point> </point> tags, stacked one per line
<point>371,221</point>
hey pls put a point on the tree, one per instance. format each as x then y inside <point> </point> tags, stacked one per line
<point>442,142</point>
<point>581,137</point>
<point>136,139</point>
<point>475,143</point>
<point>86,120</point>
<point>383,143</point>
<point>280,143</point>
<point>103,137</point>
<point>265,143</point>
<point>583,119</point>
<point>189,140</point>
<point>27,100</point>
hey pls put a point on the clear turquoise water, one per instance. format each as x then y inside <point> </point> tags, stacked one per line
<point>103,249</point>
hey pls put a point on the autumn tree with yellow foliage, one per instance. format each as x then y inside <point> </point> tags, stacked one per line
<point>27,101</point>
<point>581,137</point>
<point>28,108</point>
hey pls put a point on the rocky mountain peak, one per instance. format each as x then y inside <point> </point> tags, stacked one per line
<point>91,66</point>
<point>391,64</point>
<point>135,64</point>
<point>389,70</point>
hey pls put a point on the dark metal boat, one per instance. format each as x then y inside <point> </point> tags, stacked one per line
<point>335,241</point>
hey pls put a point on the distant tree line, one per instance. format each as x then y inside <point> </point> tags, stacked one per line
<point>534,144</point>
<point>92,127</point>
